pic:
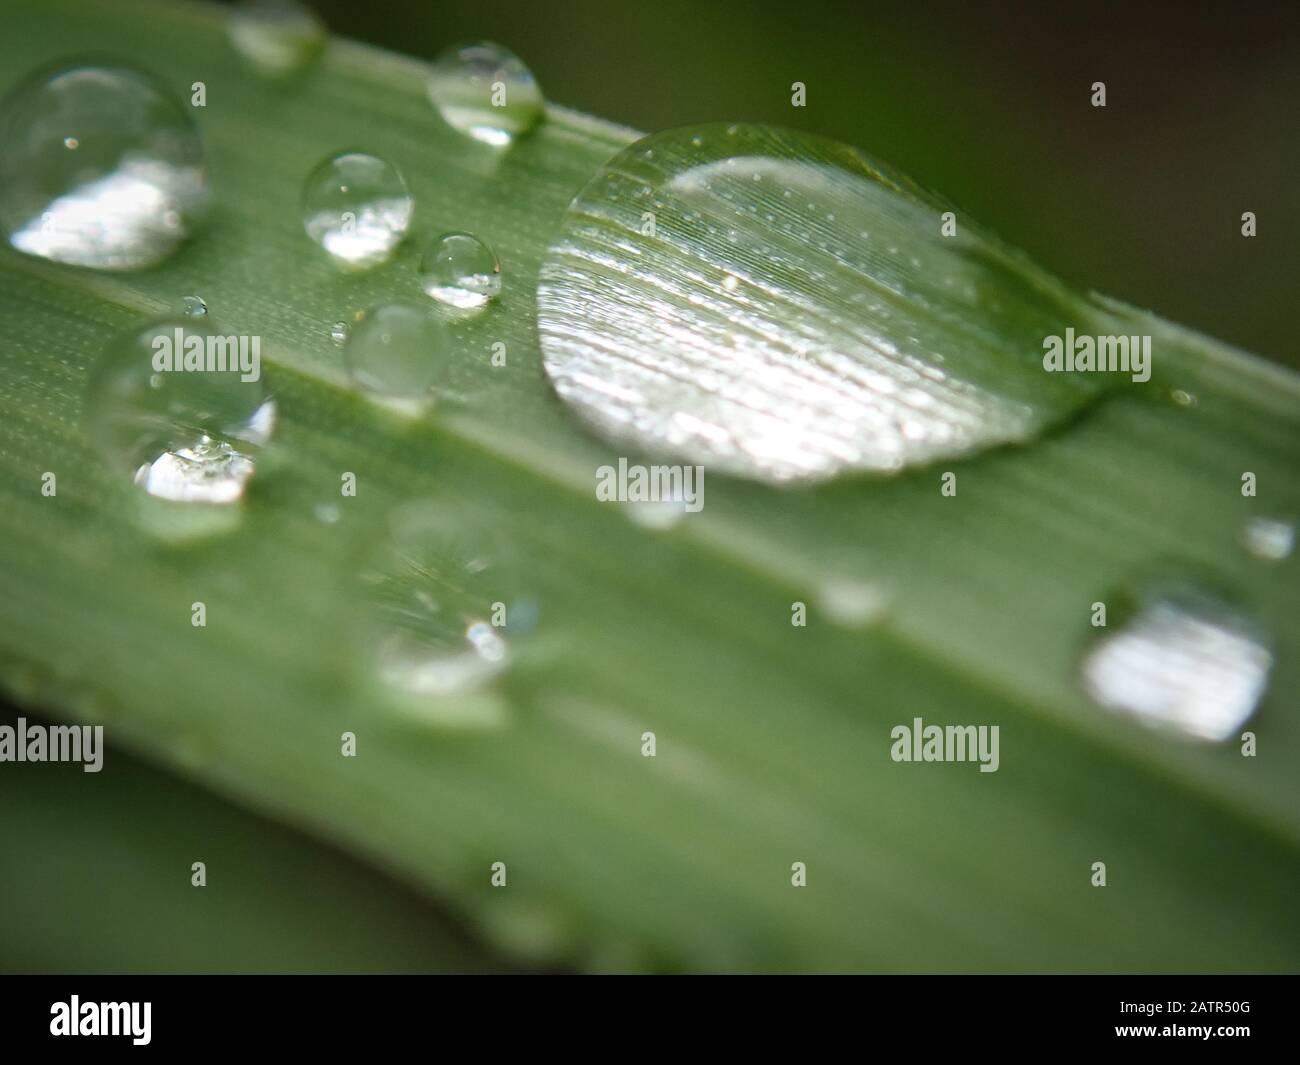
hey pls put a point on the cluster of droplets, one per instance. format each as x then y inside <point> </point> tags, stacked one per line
<point>665,321</point>
<point>104,168</point>
<point>358,208</point>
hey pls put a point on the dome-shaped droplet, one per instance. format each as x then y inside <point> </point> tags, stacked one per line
<point>443,602</point>
<point>181,408</point>
<point>397,352</point>
<point>1183,660</point>
<point>357,207</point>
<point>485,90</point>
<point>100,167</point>
<point>776,305</point>
<point>193,307</point>
<point>276,36</point>
<point>459,270</point>
<point>339,332</point>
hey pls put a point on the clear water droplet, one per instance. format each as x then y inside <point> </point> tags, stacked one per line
<point>442,608</point>
<point>357,207</point>
<point>1271,539</point>
<point>397,352</point>
<point>485,91</point>
<point>757,356</point>
<point>99,167</point>
<point>339,332</point>
<point>1184,661</point>
<point>185,436</point>
<point>276,36</point>
<point>193,307</point>
<point>461,271</point>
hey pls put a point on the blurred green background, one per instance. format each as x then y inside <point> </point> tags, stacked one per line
<point>987,104</point>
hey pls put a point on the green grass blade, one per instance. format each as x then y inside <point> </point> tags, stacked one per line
<point>773,742</point>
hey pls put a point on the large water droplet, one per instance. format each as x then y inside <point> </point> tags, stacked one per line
<point>276,36</point>
<point>442,602</point>
<point>193,307</point>
<point>485,90</point>
<point>777,305</point>
<point>1184,661</point>
<point>99,167</point>
<point>397,352</point>
<point>459,270</point>
<point>188,436</point>
<point>357,207</point>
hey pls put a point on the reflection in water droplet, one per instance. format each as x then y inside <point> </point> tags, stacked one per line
<point>1269,538</point>
<point>485,90</point>
<point>99,167</point>
<point>1185,662</point>
<point>689,306</point>
<point>459,270</point>
<point>443,602</point>
<point>193,307</point>
<point>187,436</point>
<point>397,352</point>
<point>339,332</point>
<point>357,207</point>
<point>276,36</point>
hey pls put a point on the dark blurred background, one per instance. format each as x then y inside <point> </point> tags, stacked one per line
<point>987,104</point>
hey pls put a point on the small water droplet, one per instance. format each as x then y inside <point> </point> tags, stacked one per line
<point>397,352</point>
<point>357,207</point>
<point>485,90</point>
<point>326,513</point>
<point>1185,661</point>
<point>184,435</point>
<point>339,332</point>
<point>442,605</point>
<point>853,603</point>
<point>461,271</point>
<point>754,354</point>
<point>1182,398</point>
<point>99,167</point>
<point>1271,539</point>
<point>193,307</point>
<point>276,36</point>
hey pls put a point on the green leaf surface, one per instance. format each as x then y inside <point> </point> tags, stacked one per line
<point>773,741</point>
